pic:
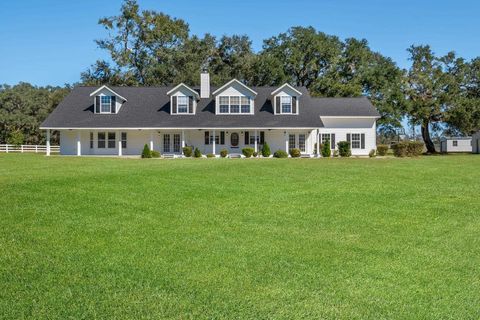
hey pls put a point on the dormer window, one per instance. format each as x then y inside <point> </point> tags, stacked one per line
<point>183,100</point>
<point>182,104</point>
<point>106,104</point>
<point>234,98</point>
<point>234,104</point>
<point>286,102</point>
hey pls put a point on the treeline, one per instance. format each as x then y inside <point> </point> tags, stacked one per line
<point>151,48</point>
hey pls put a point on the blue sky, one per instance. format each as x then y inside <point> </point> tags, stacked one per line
<point>52,41</point>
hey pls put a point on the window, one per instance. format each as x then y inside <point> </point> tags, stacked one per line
<point>245,101</point>
<point>176,143</point>
<point>222,137</point>
<point>291,141</point>
<point>91,140</point>
<point>252,139</point>
<point>101,140</point>
<point>286,102</point>
<point>301,142</point>
<point>182,104</point>
<point>356,140</point>
<point>206,138</point>
<point>105,105</point>
<point>330,137</point>
<point>224,105</point>
<point>455,143</point>
<point>111,140</point>
<point>234,104</point>
<point>166,143</point>
<point>234,139</point>
<point>124,140</point>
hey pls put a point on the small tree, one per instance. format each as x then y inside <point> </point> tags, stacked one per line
<point>16,138</point>
<point>326,152</point>
<point>197,153</point>
<point>344,149</point>
<point>294,152</point>
<point>266,150</point>
<point>146,153</point>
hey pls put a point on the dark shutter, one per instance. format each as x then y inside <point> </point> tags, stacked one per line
<point>262,137</point>
<point>362,137</point>
<point>174,104</point>
<point>97,104</point>
<point>222,137</point>
<point>207,137</point>
<point>333,141</point>
<point>190,104</point>
<point>278,105</point>
<point>113,104</point>
<point>294,105</point>
<point>348,137</point>
<point>247,137</point>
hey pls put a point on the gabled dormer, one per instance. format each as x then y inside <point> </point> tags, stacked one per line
<point>286,100</point>
<point>234,98</point>
<point>106,101</point>
<point>183,100</point>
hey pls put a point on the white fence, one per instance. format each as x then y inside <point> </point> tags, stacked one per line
<point>28,148</point>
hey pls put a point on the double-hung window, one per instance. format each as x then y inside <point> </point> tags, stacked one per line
<point>111,140</point>
<point>224,104</point>
<point>105,104</point>
<point>291,141</point>
<point>101,140</point>
<point>124,140</point>
<point>182,104</point>
<point>245,104</point>
<point>455,143</point>
<point>286,103</point>
<point>234,104</point>
<point>166,143</point>
<point>301,142</point>
<point>356,141</point>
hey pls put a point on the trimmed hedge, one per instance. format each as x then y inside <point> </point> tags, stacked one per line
<point>197,153</point>
<point>266,150</point>
<point>187,151</point>
<point>414,148</point>
<point>344,149</point>
<point>382,149</point>
<point>223,153</point>
<point>248,152</point>
<point>325,149</point>
<point>294,152</point>
<point>210,155</point>
<point>155,154</point>
<point>146,153</point>
<point>400,149</point>
<point>280,154</point>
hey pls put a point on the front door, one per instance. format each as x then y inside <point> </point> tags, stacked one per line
<point>234,139</point>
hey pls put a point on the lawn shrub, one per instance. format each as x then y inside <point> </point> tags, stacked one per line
<point>223,153</point>
<point>372,153</point>
<point>294,152</point>
<point>155,154</point>
<point>414,148</point>
<point>187,151</point>
<point>335,153</point>
<point>280,154</point>
<point>146,153</point>
<point>400,149</point>
<point>344,149</point>
<point>382,149</point>
<point>255,154</point>
<point>248,152</point>
<point>266,150</point>
<point>326,152</point>
<point>197,153</point>
<point>210,155</point>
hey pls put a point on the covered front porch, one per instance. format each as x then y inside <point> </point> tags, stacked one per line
<point>171,141</point>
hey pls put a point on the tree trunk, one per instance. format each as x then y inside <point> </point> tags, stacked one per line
<point>426,137</point>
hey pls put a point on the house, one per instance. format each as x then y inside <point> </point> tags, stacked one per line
<point>119,121</point>
<point>476,142</point>
<point>456,144</point>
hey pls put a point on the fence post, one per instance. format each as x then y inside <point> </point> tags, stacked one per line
<point>36,148</point>
<point>21,148</point>
<point>6,147</point>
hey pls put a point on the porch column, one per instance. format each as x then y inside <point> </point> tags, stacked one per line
<point>183,139</point>
<point>318,142</point>
<point>213,144</point>
<point>286,141</point>
<point>48,143</point>
<point>256,149</point>
<point>151,140</point>
<point>119,141</point>
<point>79,143</point>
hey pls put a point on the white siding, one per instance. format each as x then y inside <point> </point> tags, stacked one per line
<point>463,145</point>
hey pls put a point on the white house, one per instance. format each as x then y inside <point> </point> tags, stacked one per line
<point>119,121</point>
<point>476,142</point>
<point>456,144</point>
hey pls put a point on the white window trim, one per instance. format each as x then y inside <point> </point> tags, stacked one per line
<point>109,104</point>
<point>194,105</point>
<point>217,103</point>
<point>359,140</point>
<point>281,109</point>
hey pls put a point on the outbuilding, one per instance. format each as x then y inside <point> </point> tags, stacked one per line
<point>456,144</point>
<point>476,142</point>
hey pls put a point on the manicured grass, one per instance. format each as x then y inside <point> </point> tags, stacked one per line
<point>240,239</point>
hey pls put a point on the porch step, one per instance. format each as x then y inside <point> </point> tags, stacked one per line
<point>235,155</point>
<point>305,155</point>
<point>169,156</point>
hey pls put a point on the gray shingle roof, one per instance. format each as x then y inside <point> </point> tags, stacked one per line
<point>149,107</point>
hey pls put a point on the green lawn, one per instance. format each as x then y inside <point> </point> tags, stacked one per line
<point>245,239</point>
